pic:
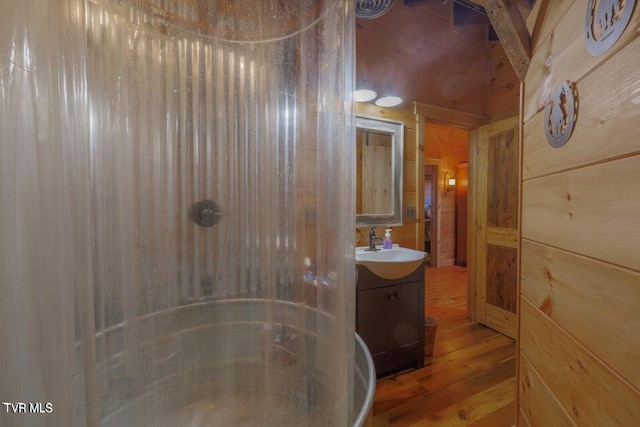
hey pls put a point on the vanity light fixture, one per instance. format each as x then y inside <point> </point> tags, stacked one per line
<point>449,183</point>
<point>366,94</point>
<point>363,93</point>
<point>388,99</point>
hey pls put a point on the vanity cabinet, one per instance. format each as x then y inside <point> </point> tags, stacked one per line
<point>390,319</point>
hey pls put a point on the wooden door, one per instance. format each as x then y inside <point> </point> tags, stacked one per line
<point>495,153</point>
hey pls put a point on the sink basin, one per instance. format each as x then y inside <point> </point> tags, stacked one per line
<point>392,263</point>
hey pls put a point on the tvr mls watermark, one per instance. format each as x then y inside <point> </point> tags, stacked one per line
<point>27,407</point>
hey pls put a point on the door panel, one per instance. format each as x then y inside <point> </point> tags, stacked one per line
<point>497,158</point>
<point>502,179</point>
<point>502,277</point>
<point>404,314</point>
<point>373,319</point>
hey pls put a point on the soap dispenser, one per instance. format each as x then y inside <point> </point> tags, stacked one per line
<point>387,243</point>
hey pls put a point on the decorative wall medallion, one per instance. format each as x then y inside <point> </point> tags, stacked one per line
<point>606,21</point>
<point>560,113</point>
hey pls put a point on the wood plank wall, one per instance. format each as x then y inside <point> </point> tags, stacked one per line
<point>407,234</point>
<point>504,86</point>
<point>580,269</point>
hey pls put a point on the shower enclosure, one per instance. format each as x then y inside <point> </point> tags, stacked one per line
<point>177,214</point>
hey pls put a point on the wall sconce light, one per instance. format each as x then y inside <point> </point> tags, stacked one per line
<point>449,183</point>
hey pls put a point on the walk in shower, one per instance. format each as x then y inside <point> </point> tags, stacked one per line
<point>177,214</point>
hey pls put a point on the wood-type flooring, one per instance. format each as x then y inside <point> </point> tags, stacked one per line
<point>470,380</point>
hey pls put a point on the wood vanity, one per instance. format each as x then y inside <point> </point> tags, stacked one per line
<point>390,319</point>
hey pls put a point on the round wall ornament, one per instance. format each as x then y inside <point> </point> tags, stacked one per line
<point>606,21</point>
<point>560,113</point>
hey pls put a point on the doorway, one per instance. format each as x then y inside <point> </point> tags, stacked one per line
<point>430,214</point>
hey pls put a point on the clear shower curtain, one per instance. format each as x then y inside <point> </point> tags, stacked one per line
<point>117,117</point>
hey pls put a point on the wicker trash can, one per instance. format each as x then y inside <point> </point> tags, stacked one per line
<point>430,326</point>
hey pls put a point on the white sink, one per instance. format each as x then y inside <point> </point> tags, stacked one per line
<point>390,263</point>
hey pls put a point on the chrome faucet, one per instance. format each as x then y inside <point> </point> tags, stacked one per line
<point>372,241</point>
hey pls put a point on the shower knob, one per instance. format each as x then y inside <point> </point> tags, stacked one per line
<point>206,213</point>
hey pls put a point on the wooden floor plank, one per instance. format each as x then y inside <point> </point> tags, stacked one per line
<point>447,361</point>
<point>473,408</point>
<point>427,407</point>
<point>503,417</point>
<point>470,379</point>
<point>470,367</point>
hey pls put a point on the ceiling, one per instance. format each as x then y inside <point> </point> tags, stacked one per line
<point>429,53</point>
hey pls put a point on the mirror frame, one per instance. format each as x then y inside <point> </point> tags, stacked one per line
<point>396,129</point>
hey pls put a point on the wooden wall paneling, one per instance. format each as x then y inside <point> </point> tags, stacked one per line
<point>533,20</point>
<point>580,270</point>
<point>403,114</point>
<point>607,125</point>
<point>503,125</point>
<point>446,142</point>
<point>564,56</point>
<point>407,235</point>
<point>410,152</point>
<point>540,407</point>
<point>413,184</point>
<point>447,223</point>
<point>553,280</point>
<point>588,390</point>
<point>543,19</point>
<point>409,182</point>
<point>446,116</point>
<point>591,211</point>
<point>448,217</point>
<point>504,86</point>
<point>404,235</point>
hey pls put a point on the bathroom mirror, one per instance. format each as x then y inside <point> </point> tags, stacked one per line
<point>379,172</point>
